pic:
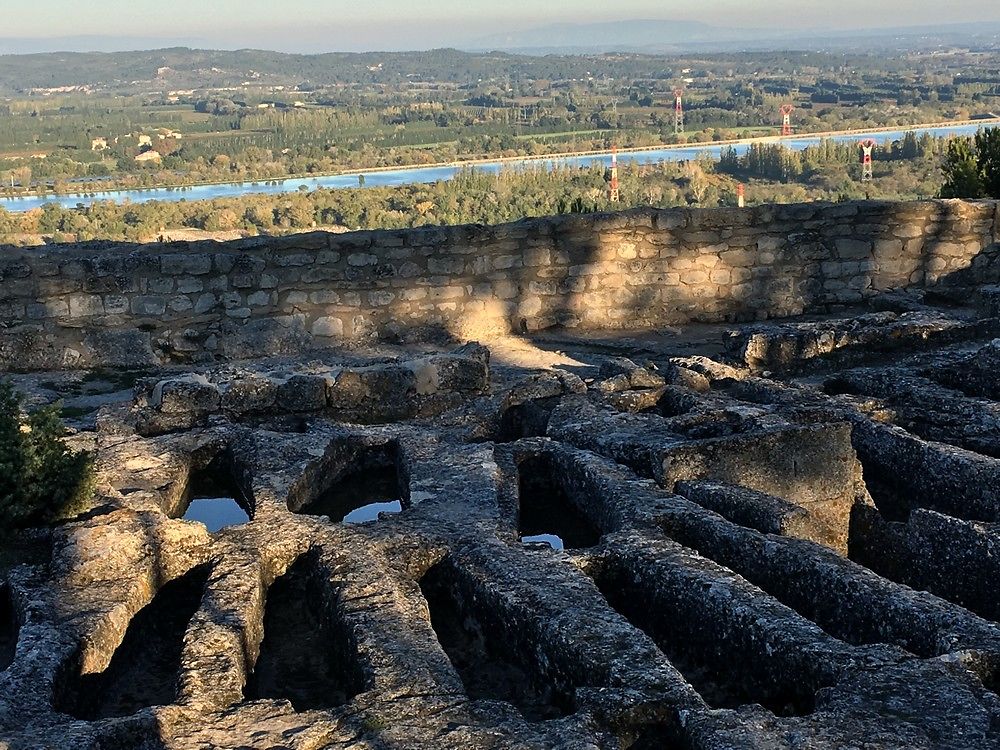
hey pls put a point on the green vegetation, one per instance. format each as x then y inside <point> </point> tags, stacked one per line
<point>972,166</point>
<point>961,171</point>
<point>907,169</point>
<point>41,479</point>
<point>374,724</point>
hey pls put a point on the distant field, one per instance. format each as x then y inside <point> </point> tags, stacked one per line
<point>333,114</point>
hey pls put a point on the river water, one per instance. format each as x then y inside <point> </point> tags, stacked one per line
<point>414,175</point>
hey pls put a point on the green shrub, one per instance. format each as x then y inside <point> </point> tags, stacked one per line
<point>972,166</point>
<point>41,479</point>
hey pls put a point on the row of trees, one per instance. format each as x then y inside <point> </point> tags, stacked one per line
<point>775,162</point>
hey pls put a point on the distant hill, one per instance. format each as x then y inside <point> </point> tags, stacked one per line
<point>558,51</point>
<point>652,36</point>
<point>659,36</point>
<point>184,68</point>
<point>606,36</point>
<point>91,43</point>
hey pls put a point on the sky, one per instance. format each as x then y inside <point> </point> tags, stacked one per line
<point>422,24</point>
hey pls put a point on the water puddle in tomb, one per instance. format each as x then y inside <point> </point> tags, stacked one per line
<point>216,512</point>
<point>215,498</point>
<point>363,494</point>
<point>371,511</point>
<point>546,513</point>
<point>555,542</point>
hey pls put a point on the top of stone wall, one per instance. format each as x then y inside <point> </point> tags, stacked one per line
<point>653,218</point>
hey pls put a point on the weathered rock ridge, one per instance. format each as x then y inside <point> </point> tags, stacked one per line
<point>746,534</point>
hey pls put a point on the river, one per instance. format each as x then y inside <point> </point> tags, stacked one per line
<point>413,175</point>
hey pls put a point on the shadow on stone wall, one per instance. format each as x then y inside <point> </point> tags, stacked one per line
<point>806,266</point>
<point>67,306</point>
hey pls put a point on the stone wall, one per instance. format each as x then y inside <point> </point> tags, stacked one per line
<point>65,306</point>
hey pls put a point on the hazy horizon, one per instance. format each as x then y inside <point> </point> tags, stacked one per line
<point>314,25</point>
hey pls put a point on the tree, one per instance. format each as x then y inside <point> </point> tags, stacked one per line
<point>222,220</point>
<point>973,170</point>
<point>988,159</point>
<point>961,171</point>
<point>22,176</point>
<point>729,161</point>
<point>697,183</point>
<point>41,479</point>
<point>909,149</point>
<point>11,454</point>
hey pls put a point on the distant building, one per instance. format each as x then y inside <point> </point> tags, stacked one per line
<point>98,144</point>
<point>147,157</point>
<point>145,140</point>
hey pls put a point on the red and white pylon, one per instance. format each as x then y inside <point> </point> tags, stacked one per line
<point>786,119</point>
<point>867,147</point>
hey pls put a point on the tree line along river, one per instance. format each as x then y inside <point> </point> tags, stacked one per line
<point>428,174</point>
